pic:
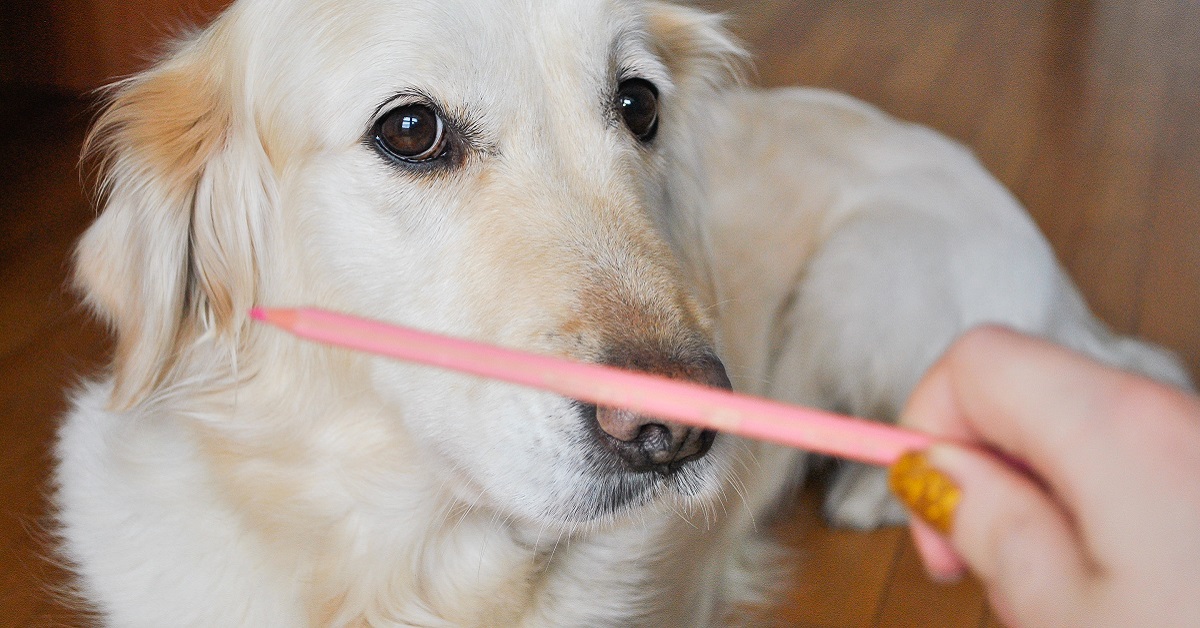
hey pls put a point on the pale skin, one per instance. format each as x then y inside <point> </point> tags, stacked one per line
<point>1102,527</point>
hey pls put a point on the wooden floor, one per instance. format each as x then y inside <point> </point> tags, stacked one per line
<point>1086,110</point>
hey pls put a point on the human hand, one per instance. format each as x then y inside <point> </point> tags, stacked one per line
<point>1094,520</point>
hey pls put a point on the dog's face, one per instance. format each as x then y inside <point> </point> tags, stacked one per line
<point>491,170</point>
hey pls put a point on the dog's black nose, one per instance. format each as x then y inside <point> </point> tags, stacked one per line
<point>650,444</point>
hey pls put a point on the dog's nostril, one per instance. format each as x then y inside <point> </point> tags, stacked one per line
<point>655,439</point>
<point>672,444</point>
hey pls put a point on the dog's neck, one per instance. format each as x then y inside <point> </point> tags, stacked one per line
<point>337,492</point>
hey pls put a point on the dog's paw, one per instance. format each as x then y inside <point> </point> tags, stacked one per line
<point>858,497</point>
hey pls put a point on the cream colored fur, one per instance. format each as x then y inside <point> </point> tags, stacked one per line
<point>225,474</point>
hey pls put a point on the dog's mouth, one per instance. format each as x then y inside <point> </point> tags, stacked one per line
<point>612,492</point>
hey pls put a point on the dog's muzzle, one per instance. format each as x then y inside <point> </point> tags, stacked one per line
<point>649,444</point>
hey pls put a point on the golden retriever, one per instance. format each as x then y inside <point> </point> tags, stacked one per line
<point>579,178</point>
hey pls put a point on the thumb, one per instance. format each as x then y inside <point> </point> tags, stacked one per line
<point>1011,534</point>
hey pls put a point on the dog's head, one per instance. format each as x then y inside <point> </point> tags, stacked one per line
<point>501,171</point>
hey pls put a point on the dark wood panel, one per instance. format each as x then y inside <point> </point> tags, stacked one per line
<point>78,45</point>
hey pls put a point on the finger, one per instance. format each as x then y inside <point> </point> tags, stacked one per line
<point>934,407</point>
<point>1015,538</point>
<point>932,498</point>
<point>1032,400</point>
<point>941,561</point>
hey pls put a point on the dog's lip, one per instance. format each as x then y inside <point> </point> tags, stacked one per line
<point>616,494</point>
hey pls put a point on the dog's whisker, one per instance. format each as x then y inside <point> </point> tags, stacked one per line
<point>538,538</point>
<point>672,506</point>
<point>740,489</point>
<point>487,535</point>
<point>467,511</point>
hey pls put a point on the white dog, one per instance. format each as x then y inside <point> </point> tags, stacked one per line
<point>577,178</point>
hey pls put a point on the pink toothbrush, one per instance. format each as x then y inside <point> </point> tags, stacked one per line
<point>682,402</point>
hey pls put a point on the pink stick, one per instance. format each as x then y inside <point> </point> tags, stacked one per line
<point>679,401</point>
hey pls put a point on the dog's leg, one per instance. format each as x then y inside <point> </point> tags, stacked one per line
<point>871,312</point>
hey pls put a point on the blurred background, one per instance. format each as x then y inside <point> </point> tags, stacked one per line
<point>1086,110</point>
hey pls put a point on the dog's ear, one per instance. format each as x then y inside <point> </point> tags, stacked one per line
<point>185,188</point>
<point>703,58</point>
<point>695,45</point>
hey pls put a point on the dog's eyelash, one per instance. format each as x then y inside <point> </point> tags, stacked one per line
<point>403,98</point>
<point>465,125</point>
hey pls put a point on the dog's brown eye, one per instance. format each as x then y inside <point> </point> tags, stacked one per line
<point>413,133</point>
<point>637,101</point>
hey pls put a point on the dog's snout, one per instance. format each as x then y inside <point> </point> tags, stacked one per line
<point>650,444</point>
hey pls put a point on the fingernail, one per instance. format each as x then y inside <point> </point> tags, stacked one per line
<point>927,492</point>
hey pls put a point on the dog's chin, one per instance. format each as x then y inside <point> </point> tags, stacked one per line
<point>612,496</point>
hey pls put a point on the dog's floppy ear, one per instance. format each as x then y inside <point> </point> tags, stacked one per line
<point>695,45</point>
<point>185,189</point>
<point>703,58</point>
